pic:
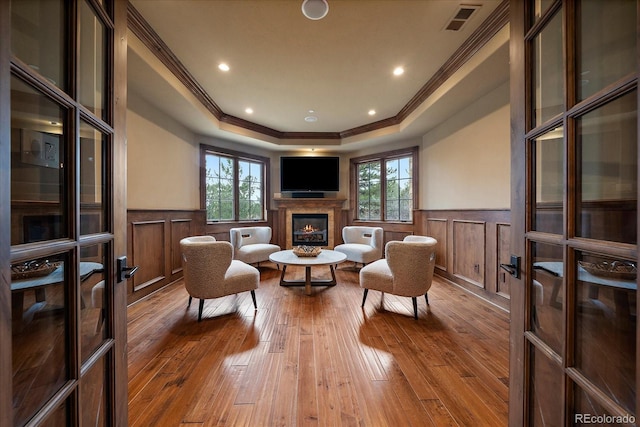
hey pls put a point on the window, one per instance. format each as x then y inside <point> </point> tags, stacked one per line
<point>234,185</point>
<point>385,186</point>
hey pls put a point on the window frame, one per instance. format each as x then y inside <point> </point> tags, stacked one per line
<point>236,157</point>
<point>383,157</point>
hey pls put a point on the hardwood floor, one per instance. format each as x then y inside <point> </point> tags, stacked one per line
<point>319,359</point>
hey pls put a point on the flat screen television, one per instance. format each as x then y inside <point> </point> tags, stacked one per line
<point>310,174</point>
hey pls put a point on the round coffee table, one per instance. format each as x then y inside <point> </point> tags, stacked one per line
<point>326,257</point>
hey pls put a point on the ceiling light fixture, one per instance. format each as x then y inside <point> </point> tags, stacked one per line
<point>311,119</point>
<point>223,67</point>
<point>398,71</point>
<point>315,9</point>
<point>372,112</point>
<point>248,110</point>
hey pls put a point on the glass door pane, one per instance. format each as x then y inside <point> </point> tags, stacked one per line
<point>605,344</point>
<point>38,184</point>
<point>547,78</point>
<point>92,61</point>
<point>608,171</point>
<point>38,37</point>
<point>548,170</point>
<point>606,44</point>
<point>41,331</point>
<point>92,176</point>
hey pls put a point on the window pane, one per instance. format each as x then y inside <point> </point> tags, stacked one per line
<point>606,44</point>
<point>606,325</point>
<point>219,188</point>
<point>548,86</point>
<point>546,291</point>
<point>608,148</point>
<point>92,188</point>
<point>37,37</point>
<point>38,186</point>
<point>39,296</point>
<point>398,195</point>
<point>93,298</point>
<point>92,62</point>
<point>250,191</point>
<point>548,175</point>
<point>369,192</point>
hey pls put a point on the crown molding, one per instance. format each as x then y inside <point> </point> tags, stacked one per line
<point>487,29</point>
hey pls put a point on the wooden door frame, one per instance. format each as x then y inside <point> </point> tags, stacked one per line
<point>517,355</point>
<point>119,201</point>
<point>6,373</point>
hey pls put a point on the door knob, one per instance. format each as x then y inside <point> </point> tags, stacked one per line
<point>513,268</point>
<point>125,272</point>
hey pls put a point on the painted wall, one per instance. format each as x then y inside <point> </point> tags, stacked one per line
<point>465,162</point>
<point>162,160</point>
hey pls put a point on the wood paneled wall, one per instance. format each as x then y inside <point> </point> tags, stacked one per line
<point>153,244</point>
<point>471,246</point>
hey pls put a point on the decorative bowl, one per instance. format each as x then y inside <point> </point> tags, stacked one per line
<point>622,270</point>
<point>307,251</point>
<point>31,269</point>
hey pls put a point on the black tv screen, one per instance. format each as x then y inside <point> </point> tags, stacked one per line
<point>309,173</point>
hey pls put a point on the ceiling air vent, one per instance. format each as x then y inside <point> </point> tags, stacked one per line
<point>462,15</point>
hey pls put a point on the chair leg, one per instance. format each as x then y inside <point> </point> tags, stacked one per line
<point>189,303</point>
<point>364,298</point>
<point>253,297</point>
<point>415,307</point>
<point>200,310</point>
<point>426,297</point>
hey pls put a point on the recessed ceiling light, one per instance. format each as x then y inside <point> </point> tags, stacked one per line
<point>372,112</point>
<point>311,119</point>
<point>223,67</point>
<point>248,110</point>
<point>398,71</point>
<point>312,111</point>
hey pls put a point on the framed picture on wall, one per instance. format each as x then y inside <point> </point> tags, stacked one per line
<point>40,149</point>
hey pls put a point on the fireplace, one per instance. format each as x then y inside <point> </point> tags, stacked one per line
<point>309,229</point>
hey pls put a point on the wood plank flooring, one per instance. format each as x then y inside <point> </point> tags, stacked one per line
<point>318,360</point>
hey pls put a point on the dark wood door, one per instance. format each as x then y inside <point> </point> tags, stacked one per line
<point>574,212</point>
<point>62,143</point>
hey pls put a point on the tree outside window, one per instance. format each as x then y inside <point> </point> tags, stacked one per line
<point>386,193</point>
<point>234,186</point>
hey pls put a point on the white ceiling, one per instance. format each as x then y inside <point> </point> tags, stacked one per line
<point>283,65</point>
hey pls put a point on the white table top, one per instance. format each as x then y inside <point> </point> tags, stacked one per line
<point>56,276</point>
<point>325,257</point>
<point>585,276</point>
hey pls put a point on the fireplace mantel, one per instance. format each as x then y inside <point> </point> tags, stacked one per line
<point>288,206</point>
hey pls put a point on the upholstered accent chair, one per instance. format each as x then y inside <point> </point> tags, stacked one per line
<point>211,272</point>
<point>252,244</point>
<point>361,244</point>
<point>406,270</point>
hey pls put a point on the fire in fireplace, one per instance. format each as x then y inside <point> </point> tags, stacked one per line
<point>310,229</point>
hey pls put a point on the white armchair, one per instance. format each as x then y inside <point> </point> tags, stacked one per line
<point>210,271</point>
<point>361,244</point>
<point>252,244</point>
<point>407,269</point>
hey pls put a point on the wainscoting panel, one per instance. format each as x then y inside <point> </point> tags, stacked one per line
<point>469,250</point>
<point>438,230</point>
<point>503,254</point>
<point>154,246</point>
<point>471,246</point>
<point>148,238</point>
<point>180,228</point>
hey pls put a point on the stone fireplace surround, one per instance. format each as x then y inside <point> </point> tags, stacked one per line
<point>330,206</point>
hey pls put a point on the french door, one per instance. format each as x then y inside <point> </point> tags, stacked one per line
<point>62,215</point>
<point>574,78</point>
